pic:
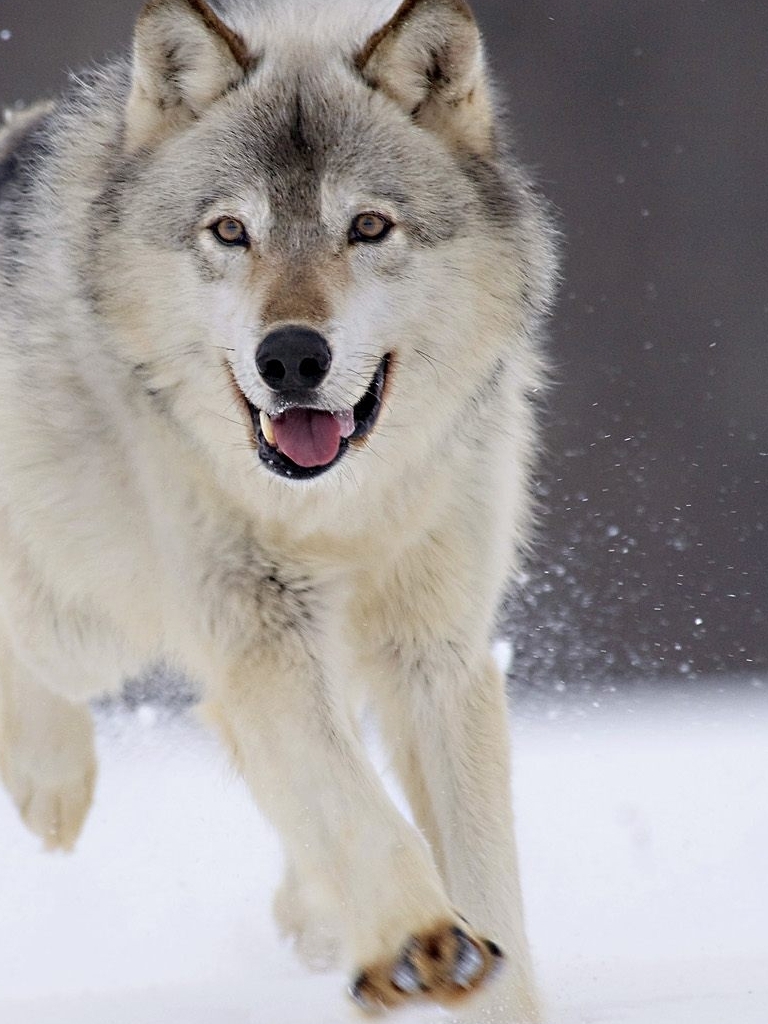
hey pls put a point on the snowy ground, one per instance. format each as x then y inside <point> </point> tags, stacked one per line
<point>643,822</point>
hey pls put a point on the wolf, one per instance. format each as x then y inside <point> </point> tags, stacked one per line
<point>272,290</point>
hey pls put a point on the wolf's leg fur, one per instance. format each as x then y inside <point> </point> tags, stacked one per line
<point>421,639</point>
<point>449,741</point>
<point>47,758</point>
<point>300,755</point>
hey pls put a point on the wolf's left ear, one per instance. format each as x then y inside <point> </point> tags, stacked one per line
<point>184,58</point>
<point>429,59</point>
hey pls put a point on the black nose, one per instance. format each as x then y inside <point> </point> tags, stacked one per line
<point>293,359</point>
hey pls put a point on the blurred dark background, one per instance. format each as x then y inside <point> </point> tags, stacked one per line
<point>646,124</point>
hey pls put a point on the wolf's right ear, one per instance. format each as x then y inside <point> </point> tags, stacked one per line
<point>184,58</point>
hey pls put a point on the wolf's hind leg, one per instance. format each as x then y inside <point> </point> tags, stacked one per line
<point>308,921</point>
<point>47,759</point>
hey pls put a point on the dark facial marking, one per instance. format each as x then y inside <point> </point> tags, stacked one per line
<point>298,136</point>
<point>296,294</point>
<point>492,189</point>
<point>19,172</point>
<point>8,170</point>
<point>20,166</point>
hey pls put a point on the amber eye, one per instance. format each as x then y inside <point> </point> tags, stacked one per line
<point>369,227</point>
<point>230,231</point>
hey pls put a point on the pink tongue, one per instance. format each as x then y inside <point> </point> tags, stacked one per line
<point>307,436</point>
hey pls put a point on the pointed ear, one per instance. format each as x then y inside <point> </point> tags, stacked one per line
<point>429,59</point>
<point>184,58</point>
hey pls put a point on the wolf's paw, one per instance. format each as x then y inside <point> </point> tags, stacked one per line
<point>53,811</point>
<point>445,964</point>
<point>51,778</point>
<point>315,941</point>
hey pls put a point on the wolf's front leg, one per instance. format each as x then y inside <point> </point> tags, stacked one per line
<point>297,749</point>
<point>448,735</point>
<point>47,758</point>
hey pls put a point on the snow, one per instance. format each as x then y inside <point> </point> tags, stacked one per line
<point>643,824</point>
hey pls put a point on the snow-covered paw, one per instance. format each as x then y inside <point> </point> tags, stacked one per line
<point>51,776</point>
<point>445,964</point>
<point>54,809</point>
<point>315,940</point>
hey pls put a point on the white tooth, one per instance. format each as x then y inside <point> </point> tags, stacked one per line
<point>346,420</point>
<point>267,429</point>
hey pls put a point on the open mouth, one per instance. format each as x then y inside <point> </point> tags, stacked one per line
<point>303,442</point>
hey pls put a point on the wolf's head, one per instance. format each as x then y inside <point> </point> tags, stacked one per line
<point>321,215</point>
